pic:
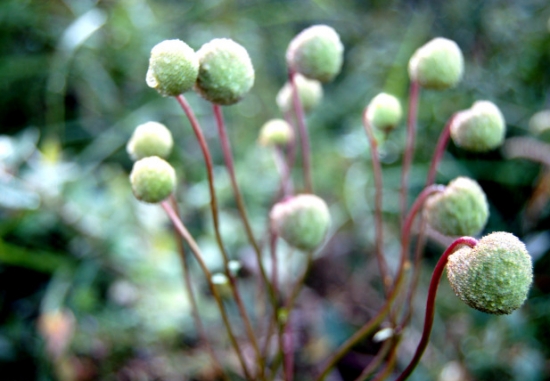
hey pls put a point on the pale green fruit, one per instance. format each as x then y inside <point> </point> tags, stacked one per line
<point>150,139</point>
<point>316,53</point>
<point>226,73</point>
<point>384,112</point>
<point>310,92</point>
<point>480,128</point>
<point>302,221</point>
<point>494,276</point>
<point>276,132</point>
<point>173,68</point>
<point>152,179</point>
<point>438,64</point>
<point>461,209</point>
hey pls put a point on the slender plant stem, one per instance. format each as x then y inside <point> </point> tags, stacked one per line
<point>390,364</point>
<point>302,129</point>
<point>228,158</point>
<point>439,150</point>
<point>215,216</point>
<point>377,360</point>
<point>430,303</point>
<point>291,153</point>
<point>284,170</point>
<point>288,350</point>
<point>194,308</point>
<point>377,171</point>
<point>375,321</point>
<point>178,225</point>
<point>409,146</point>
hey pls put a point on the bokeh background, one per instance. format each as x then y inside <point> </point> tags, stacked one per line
<point>89,272</point>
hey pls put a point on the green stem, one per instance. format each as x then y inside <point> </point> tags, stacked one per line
<point>430,303</point>
<point>178,225</point>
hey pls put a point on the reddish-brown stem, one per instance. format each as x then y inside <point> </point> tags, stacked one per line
<point>439,150</point>
<point>390,364</point>
<point>291,153</point>
<point>398,281</point>
<point>194,308</point>
<point>215,216</point>
<point>228,158</point>
<point>178,225</point>
<point>288,350</point>
<point>302,129</point>
<point>284,170</point>
<point>379,231</point>
<point>430,303</point>
<point>409,145</point>
<point>377,360</point>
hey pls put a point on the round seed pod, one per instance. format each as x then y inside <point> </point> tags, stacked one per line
<point>437,65</point>
<point>310,92</point>
<point>152,179</point>
<point>494,276</point>
<point>226,73</point>
<point>302,221</point>
<point>384,112</point>
<point>480,128</point>
<point>316,52</point>
<point>150,139</point>
<point>461,209</point>
<point>276,132</point>
<point>173,68</point>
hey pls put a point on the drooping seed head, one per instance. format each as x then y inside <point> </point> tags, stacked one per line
<point>173,68</point>
<point>494,276</point>
<point>461,209</point>
<point>437,65</point>
<point>480,128</point>
<point>150,139</point>
<point>152,179</point>
<point>276,132</point>
<point>310,92</point>
<point>316,52</point>
<point>540,122</point>
<point>302,221</point>
<point>384,112</point>
<point>226,73</point>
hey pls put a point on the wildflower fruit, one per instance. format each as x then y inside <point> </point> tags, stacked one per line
<point>494,276</point>
<point>150,139</point>
<point>384,112</point>
<point>461,209</point>
<point>276,132</point>
<point>226,73</point>
<point>480,128</point>
<point>152,179</point>
<point>316,52</point>
<point>173,68</point>
<point>302,221</point>
<point>310,93</point>
<point>438,64</point>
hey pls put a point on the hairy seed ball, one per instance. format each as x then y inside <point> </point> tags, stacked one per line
<point>316,53</point>
<point>226,73</point>
<point>437,65</point>
<point>150,139</point>
<point>276,132</point>
<point>152,179</point>
<point>461,209</point>
<point>494,276</point>
<point>310,93</point>
<point>480,128</point>
<point>302,221</point>
<point>384,112</point>
<point>173,68</point>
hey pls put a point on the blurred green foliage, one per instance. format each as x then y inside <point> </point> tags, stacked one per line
<point>73,239</point>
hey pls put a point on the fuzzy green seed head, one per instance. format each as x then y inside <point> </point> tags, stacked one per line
<point>384,112</point>
<point>276,132</point>
<point>316,52</point>
<point>150,139</point>
<point>152,179</point>
<point>173,68</point>
<point>310,92</point>
<point>461,209</point>
<point>226,73</point>
<point>494,276</point>
<point>437,65</point>
<point>480,128</point>
<point>302,221</point>
<point>540,122</point>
